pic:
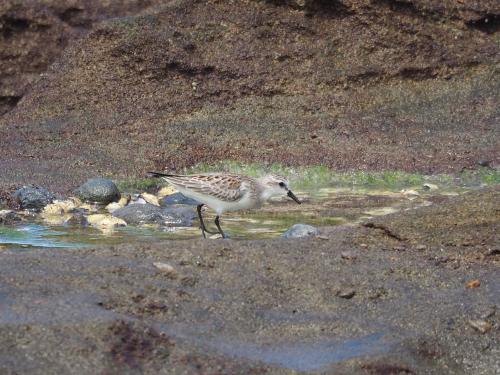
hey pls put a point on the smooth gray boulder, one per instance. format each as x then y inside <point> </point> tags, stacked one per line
<point>98,190</point>
<point>177,198</point>
<point>136,214</point>
<point>301,231</point>
<point>33,197</point>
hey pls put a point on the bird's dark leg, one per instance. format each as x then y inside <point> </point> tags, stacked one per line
<point>202,224</point>
<point>218,226</point>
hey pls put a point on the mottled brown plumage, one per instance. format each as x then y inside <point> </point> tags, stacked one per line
<point>227,192</point>
<point>226,187</point>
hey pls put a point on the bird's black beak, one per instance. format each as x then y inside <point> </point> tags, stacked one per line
<point>292,195</point>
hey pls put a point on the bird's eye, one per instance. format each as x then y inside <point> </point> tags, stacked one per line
<point>282,184</point>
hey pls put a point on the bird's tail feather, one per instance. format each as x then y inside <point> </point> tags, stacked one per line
<point>157,174</point>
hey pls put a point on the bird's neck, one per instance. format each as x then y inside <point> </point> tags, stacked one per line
<point>263,192</point>
<point>264,196</point>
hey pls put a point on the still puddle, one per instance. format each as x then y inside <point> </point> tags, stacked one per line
<point>326,207</point>
<point>299,355</point>
<point>306,357</point>
<point>34,236</point>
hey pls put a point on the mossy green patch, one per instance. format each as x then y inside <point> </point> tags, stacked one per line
<point>314,177</point>
<point>321,176</point>
<point>138,185</point>
<point>484,175</point>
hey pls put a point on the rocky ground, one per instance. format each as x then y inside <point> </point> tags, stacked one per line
<point>119,89</point>
<point>411,293</point>
<point>114,89</point>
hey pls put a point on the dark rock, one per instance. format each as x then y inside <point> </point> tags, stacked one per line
<point>179,216</point>
<point>77,220</point>
<point>33,197</point>
<point>8,217</point>
<point>484,163</point>
<point>136,214</point>
<point>98,190</point>
<point>177,198</point>
<point>301,231</point>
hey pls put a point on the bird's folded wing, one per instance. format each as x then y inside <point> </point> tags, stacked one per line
<point>226,188</point>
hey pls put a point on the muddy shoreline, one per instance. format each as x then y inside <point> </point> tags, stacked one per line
<point>398,302</point>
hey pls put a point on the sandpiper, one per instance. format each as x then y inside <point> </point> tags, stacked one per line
<point>227,192</point>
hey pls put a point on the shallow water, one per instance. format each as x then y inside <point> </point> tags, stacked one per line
<point>306,356</point>
<point>303,356</point>
<point>326,207</point>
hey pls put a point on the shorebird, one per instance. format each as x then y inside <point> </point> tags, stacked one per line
<point>224,192</point>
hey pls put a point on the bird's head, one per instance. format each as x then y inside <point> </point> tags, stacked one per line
<point>274,185</point>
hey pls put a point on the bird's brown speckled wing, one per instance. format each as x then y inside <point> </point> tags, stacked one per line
<point>226,187</point>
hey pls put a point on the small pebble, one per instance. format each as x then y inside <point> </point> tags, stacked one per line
<point>346,293</point>
<point>113,206</point>
<point>139,200</point>
<point>481,326</point>
<point>376,293</point>
<point>441,260</point>
<point>363,245</point>
<point>88,207</point>
<point>473,284</point>
<point>167,269</point>
<point>348,255</point>
<point>167,190</point>
<point>105,221</point>
<point>77,220</point>
<point>421,247</point>
<point>399,248</point>
<point>410,193</point>
<point>430,187</point>
<point>52,209</point>
<point>301,231</point>
<point>151,199</point>
<point>492,252</point>
<point>124,200</point>
<point>59,207</point>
